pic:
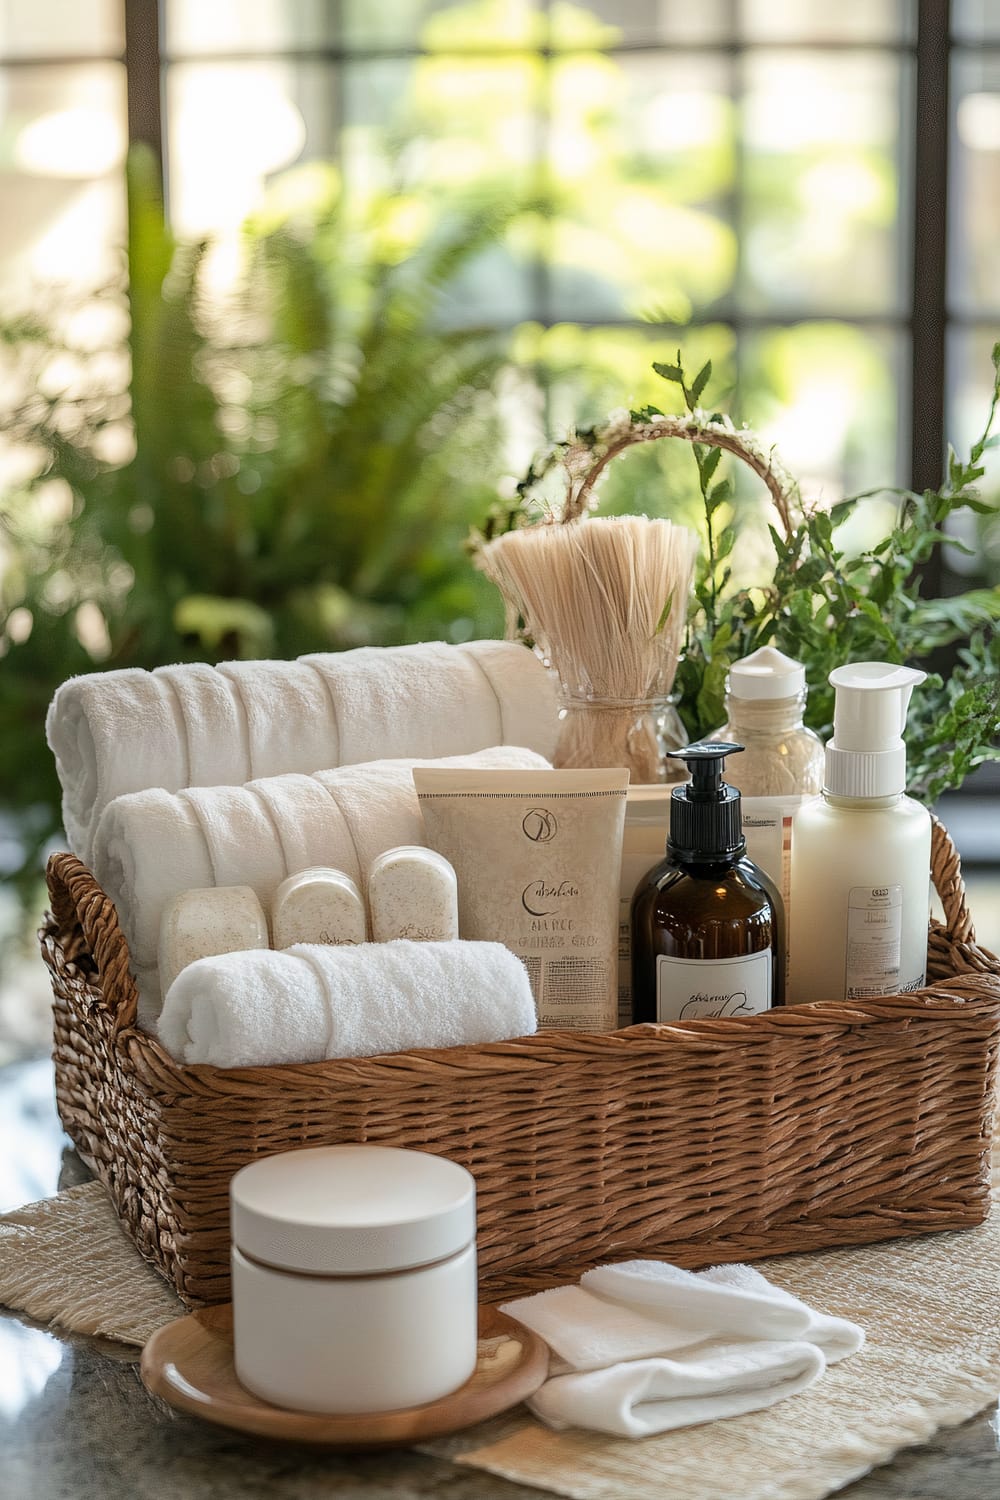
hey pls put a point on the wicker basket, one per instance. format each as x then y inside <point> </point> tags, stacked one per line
<point>818,1125</point>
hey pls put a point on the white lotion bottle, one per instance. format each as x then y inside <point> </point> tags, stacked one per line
<point>861,852</point>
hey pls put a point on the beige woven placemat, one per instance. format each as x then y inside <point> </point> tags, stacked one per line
<point>930,1306</point>
<point>67,1260</point>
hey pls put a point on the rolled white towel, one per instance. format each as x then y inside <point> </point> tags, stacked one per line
<point>113,733</point>
<point>152,845</point>
<point>310,1002</point>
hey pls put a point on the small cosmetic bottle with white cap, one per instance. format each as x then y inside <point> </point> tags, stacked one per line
<point>782,760</point>
<point>354,1278</point>
<point>765,701</point>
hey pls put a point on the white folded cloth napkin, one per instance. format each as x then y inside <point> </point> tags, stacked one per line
<point>645,1347</point>
<point>196,725</point>
<point>152,845</point>
<point>310,1001</point>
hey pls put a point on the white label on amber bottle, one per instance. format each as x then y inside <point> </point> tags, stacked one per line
<point>874,929</point>
<point>691,989</point>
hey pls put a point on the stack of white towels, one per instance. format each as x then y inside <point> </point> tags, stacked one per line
<point>194,776</point>
<point>195,725</point>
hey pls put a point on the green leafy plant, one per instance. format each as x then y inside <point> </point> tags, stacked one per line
<point>289,468</point>
<point>822,604</point>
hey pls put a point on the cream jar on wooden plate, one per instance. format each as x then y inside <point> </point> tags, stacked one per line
<point>354,1278</point>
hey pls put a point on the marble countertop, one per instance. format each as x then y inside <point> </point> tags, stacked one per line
<point>76,1423</point>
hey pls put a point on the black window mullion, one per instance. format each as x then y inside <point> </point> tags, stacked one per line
<point>738,197</point>
<point>142,74</point>
<point>929,286</point>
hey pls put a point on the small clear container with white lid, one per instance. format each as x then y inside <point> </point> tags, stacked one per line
<point>413,893</point>
<point>354,1278</point>
<point>318,905</point>
<point>201,923</point>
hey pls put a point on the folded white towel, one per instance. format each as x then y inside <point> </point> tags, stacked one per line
<point>645,1347</point>
<point>310,1002</point>
<point>646,1396</point>
<point>735,1300</point>
<point>194,725</point>
<point>152,845</point>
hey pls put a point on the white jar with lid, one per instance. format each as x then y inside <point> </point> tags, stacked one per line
<point>354,1278</point>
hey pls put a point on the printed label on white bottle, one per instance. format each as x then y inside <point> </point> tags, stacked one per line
<point>692,989</point>
<point>874,933</point>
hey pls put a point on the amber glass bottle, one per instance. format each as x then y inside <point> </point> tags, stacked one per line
<point>708,926</point>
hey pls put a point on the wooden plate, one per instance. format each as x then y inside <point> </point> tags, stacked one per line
<point>190,1364</point>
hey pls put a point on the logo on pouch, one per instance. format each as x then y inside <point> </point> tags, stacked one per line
<point>539,825</point>
<point>537,894</point>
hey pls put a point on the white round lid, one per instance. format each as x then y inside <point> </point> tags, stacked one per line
<point>766,673</point>
<point>352,1210</point>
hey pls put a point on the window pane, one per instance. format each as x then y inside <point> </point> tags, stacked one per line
<point>975,20</point>
<point>432,133</point>
<point>62,142</point>
<point>827,395</point>
<point>194,26</point>
<point>443,25</point>
<point>821,226</point>
<point>61,28</point>
<point>807,21</point>
<point>641,155</point>
<point>642,22</point>
<point>446,123</point>
<point>232,126</point>
<point>974,187</point>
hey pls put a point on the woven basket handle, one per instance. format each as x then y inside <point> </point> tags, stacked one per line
<point>782,489</point>
<point>88,923</point>
<point>946,873</point>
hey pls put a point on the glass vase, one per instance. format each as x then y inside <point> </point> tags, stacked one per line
<point>631,732</point>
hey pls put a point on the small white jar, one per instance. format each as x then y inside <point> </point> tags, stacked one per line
<point>198,924</point>
<point>318,906</point>
<point>413,893</point>
<point>354,1278</point>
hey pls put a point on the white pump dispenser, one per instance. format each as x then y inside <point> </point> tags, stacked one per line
<point>861,851</point>
<point>867,757</point>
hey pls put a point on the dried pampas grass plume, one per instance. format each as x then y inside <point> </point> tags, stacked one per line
<point>605,601</point>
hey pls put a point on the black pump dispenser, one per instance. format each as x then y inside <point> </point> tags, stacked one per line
<point>706,826</point>
<point>708,926</point>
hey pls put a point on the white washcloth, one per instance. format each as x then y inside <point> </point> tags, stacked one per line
<point>644,1346</point>
<point>195,725</point>
<point>310,1002</point>
<point>700,1384</point>
<point>733,1300</point>
<point>152,845</point>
